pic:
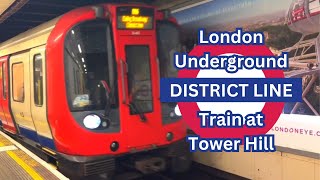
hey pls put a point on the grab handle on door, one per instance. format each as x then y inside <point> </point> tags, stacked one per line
<point>123,68</point>
<point>159,78</point>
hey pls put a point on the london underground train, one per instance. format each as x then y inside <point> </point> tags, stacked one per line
<point>84,89</point>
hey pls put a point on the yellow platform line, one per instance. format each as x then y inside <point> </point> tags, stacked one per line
<point>52,170</point>
<point>25,166</point>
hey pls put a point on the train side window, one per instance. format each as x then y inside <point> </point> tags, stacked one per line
<point>18,82</point>
<point>38,80</point>
<point>4,81</point>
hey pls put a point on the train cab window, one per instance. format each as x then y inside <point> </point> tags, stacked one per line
<point>168,44</point>
<point>168,37</point>
<point>4,81</point>
<point>89,64</point>
<point>38,80</point>
<point>18,82</point>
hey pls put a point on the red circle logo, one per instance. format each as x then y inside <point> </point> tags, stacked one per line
<point>271,110</point>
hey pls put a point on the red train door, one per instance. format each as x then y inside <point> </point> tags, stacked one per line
<point>141,115</point>
<point>3,118</point>
<point>5,115</point>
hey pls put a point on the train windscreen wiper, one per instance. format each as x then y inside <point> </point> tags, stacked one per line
<point>107,96</point>
<point>136,110</point>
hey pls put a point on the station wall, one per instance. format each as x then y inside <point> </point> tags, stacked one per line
<point>263,166</point>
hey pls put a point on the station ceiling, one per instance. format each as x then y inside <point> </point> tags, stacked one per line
<point>17,16</point>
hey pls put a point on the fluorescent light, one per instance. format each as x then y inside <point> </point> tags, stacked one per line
<point>191,6</point>
<point>84,66</point>
<point>79,47</point>
<point>82,59</point>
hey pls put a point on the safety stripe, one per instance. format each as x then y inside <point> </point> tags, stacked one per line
<point>53,170</point>
<point>25,166</point>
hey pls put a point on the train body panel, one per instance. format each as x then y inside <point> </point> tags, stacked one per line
<point>85,86</point>
<point>29,39</point>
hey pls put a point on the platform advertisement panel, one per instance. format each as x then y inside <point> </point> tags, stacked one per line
<point>290,28</point>
<point>298,132</point>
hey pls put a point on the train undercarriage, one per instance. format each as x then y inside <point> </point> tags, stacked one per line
<point>175,158</point>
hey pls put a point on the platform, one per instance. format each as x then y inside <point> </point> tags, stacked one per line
<point>16,162</point>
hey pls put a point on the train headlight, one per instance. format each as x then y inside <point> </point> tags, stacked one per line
<point>177,111</point>
<point>92,121</point>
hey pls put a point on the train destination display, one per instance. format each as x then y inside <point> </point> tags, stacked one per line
<point>135,18</point>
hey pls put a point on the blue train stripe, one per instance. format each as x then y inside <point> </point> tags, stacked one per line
<point>46,142</point>
<point>29,134</point>
<point>32,135</point>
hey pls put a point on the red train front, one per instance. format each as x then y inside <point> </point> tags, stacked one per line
<point>103,70</point>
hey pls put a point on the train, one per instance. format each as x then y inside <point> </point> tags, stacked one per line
<point>83,90</point>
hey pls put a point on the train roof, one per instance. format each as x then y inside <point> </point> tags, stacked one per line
<point>32,38</point>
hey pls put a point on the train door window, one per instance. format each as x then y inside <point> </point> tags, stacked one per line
<point>18,82</point>
<point>139,79</point>
<point>4,81</point>
<point>38,80</point>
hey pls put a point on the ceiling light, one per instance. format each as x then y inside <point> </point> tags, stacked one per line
<point>79,47</point>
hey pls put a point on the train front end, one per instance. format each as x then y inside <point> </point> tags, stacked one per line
<point>104,68</point>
